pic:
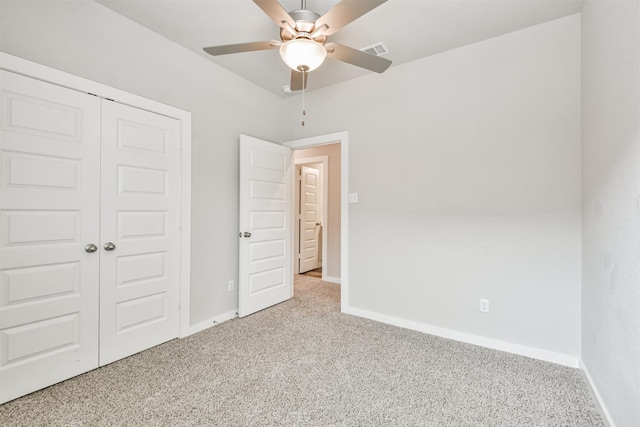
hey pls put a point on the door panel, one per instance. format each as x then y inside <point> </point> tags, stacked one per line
<point>265,255</point>
<point>310,220</point>
<point>50,169</point>
<point>141,217</point>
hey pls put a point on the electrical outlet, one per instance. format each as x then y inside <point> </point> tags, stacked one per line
<point>232,285</point>
<point>484,305</point>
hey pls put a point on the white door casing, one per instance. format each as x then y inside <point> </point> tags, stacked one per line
<point>139,278</point>
<point>49,205</point>
<point>310,219</point>
<point>265,248</point>
<point>343,139</point>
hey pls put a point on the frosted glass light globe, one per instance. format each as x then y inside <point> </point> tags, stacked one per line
<point>303,54</point>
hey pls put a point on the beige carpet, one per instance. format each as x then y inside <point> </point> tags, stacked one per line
<point>303,363</point>
<point>314,273</point>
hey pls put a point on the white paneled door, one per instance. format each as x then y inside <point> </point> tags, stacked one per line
<point>140,229</point>
<point>310,219</point>
<point>89,232</point>
<point>49,217</point>
<point>265,225</point>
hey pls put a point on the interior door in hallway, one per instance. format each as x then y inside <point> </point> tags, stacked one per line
<point>140,230</point>
<point>310,219</point>
<point>265,248</point>
<point>49,222</point>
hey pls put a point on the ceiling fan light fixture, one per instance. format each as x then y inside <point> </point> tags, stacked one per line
<point>303,54</point>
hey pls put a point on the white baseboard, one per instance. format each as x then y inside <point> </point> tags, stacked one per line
<point>606,416</point>
<point>213,321</point>
<point>523,350</point>
<point>330,279</point>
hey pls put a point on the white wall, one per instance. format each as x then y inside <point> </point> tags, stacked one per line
<point>84,38</point>
<point>611,190</point>
<point>467,165</point>
<point>332,151</point>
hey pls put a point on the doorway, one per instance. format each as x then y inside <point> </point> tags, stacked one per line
<point>266,265</point>
<point>311,201</point>
<point>331,152</point>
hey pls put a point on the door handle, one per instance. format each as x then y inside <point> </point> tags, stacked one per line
<point>90,248</point>
<point>109,246</point>
<point>245,234</point>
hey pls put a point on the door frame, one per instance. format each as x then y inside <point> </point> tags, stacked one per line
<point>324,160</point>
<point>44,73</point>
<point>341,138</point>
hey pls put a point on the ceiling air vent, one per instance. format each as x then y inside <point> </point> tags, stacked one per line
<point>377,49</point>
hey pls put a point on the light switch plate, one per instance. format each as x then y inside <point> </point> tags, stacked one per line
<point>353,197</point>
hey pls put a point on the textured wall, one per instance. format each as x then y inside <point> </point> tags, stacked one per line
<point>611,188</point>
<point>467,164</point>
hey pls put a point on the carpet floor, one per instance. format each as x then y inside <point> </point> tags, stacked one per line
<point>303,363</point>
<point>314,273</point>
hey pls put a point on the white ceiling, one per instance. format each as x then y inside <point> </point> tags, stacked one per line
<point>411,29</point>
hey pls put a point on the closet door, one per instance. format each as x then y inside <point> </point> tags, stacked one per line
<point>140,226</point>
<point>49,214</point>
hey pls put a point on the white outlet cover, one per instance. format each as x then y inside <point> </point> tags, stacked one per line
<point>353,197</point>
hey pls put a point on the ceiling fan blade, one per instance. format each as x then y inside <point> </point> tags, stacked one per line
<point>242,47</point>
<point>345,12</point>
<point>276,12</point>
<point>357,57</point>
<point>298,80</point>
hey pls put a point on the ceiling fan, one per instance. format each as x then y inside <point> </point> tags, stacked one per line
<point>303,38</point>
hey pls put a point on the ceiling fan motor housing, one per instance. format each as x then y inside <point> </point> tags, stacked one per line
<point>305,26</point>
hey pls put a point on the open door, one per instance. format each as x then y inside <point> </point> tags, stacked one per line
<point>310,219</point>
<point>266,234</point>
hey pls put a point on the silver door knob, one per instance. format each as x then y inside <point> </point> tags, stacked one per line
<point>246,234</point>
<point>91,248</point>
<point>109,246</point>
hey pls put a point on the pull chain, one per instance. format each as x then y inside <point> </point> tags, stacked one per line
<point>304,85</point>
